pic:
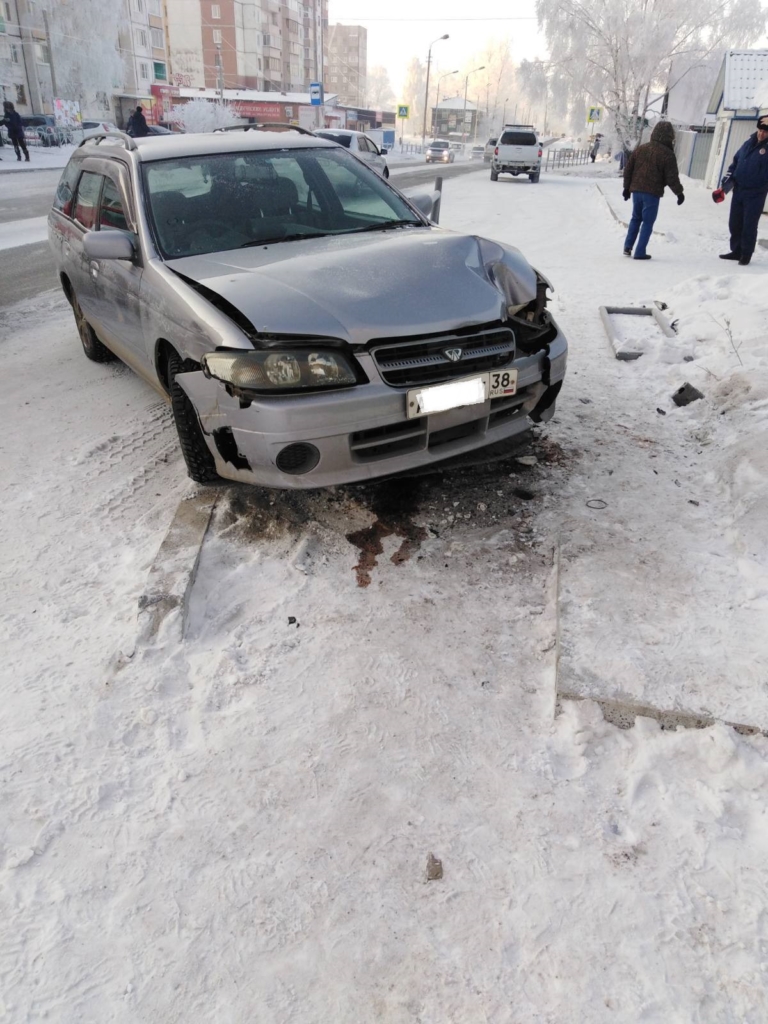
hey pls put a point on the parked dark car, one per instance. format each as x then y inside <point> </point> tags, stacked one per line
<point>44,126</point>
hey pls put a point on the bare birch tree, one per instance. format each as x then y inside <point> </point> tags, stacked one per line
<point>615,53</point>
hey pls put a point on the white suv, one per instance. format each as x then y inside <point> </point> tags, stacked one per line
<point>518,151</point>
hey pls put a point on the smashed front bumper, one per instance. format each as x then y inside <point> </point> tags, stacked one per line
<point>362,432</point>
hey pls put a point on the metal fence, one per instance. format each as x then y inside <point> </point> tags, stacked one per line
<point>46,136</point>
<point>692,150</point>
<point>565,158</point>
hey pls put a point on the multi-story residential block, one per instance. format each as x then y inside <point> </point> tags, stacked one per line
<point>348,63</point>
<point>13,76</point>
<point>264,45</point>
<point>143,45</point>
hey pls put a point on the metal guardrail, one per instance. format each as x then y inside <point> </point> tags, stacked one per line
<point>565,158</point>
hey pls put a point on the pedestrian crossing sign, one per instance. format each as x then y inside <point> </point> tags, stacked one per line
<point>404,111</point>
<point>595,115</point>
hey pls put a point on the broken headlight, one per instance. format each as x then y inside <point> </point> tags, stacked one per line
<point>289,370</point>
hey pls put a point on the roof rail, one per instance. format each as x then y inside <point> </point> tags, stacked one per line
<point>123,137</point>
<point>265,126</point>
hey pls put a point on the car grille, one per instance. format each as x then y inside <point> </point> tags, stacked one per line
<point>416,435</point>
<point>424,361</point>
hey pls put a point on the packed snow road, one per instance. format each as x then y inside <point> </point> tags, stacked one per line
<point>194,829</point>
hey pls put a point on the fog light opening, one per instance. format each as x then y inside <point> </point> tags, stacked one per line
<point>297,458</point>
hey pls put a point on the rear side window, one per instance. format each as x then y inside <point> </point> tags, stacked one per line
<point>87,202</point>
<point>66,190</point>
<point>112,213</point>
<point>518,139</point>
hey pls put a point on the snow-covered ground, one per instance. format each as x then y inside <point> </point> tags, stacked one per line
<point>236,826</point>
<point>40,157</point>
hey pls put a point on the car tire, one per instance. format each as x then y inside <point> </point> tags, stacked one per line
<point>386,172</point>
<point>494,175</point>
<point>94,349</point>
<point>201,465</point>
<point>534,177</point>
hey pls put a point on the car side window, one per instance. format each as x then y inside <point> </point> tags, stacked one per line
<point>87,202</point>
<point>65,191</point>
<point>112,214</point>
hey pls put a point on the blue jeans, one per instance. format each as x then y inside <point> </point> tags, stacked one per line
<point>645,208</point>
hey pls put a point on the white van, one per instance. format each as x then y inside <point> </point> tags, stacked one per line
<point>518,151</point>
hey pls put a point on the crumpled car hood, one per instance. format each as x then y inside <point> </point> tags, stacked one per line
<point>358,288</point>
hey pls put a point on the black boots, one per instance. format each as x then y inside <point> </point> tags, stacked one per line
<point>730,256</point>
<point>744,261</point>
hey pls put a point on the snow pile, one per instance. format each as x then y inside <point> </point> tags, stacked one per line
<point>723,325</point>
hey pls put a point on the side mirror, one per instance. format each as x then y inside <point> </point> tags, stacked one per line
<point>108,245</point>
<point>383,151</point>
<point>423,203</point>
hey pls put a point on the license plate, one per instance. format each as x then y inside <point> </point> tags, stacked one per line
<point>459,393</point>
<point>502,383</point>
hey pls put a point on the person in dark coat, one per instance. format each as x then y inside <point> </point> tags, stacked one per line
<point>137,124</point>
<point>747,178</point>
<point>650,169</point>
<point>595,147</point>
<point>12,120</point>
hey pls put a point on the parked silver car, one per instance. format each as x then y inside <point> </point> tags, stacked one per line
<point>360,144</point>
<point>308,323</point>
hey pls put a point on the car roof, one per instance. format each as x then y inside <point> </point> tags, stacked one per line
<point>168,147</point>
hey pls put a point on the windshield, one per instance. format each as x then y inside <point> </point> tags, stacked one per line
<point>230,200</point>
<point>439,145</point>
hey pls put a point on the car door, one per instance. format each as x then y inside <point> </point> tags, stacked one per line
<point>84,216</point>
<point>377,161</point>
<point>117,283</point>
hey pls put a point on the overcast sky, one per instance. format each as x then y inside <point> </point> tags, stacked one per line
<point>401,29</point>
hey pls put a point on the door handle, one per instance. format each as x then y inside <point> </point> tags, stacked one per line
<point>94,269</point>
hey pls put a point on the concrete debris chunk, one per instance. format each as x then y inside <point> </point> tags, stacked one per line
<point>526,460</point>
<point>434,868</point>
<point>686,394</point>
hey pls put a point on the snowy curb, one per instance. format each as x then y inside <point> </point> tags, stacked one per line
<point>617,218</point>
<point>623,714</point>
<point>174,568</point>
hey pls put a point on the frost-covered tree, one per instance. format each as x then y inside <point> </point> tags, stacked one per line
<point>203,115</point>
<point>616,53</point>
<point>379,93</point>
<point>84,44</point>
<point>413,92</point>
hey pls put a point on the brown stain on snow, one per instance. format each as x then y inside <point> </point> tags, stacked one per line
<point>369,541</point>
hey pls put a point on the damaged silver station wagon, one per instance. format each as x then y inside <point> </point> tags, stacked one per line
<point>308,322</point>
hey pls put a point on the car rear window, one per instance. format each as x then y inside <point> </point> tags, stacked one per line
<point>343,140</point>
<point>518,139</point>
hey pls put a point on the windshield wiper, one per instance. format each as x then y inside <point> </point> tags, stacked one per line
<point>282,238</point>
<point>386,225</point>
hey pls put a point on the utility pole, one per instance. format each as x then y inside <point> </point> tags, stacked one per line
<point>54,90</point>
<point>464,124</point>
<point>426,91</point>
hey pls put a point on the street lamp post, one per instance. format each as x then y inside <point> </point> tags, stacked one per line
<point>464,125</point>
<point>437,101</point>
<point>426,91</point>
<point>504,112</point>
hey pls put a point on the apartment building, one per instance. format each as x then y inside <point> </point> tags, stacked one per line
<point>52,51</point>
<point>348,64</point>
<point>263,45</point>
<point>13,77</point>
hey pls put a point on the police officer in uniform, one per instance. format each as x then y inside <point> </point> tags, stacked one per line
<point>747,178</point>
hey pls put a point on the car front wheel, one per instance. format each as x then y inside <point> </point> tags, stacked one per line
<point>386,172</point>
<point>93,348</point>
<point>201,466</point>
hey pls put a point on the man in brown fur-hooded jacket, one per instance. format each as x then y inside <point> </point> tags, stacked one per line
<point>649,169</point>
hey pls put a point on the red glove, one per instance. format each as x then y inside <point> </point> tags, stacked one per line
<point>719,195</point>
